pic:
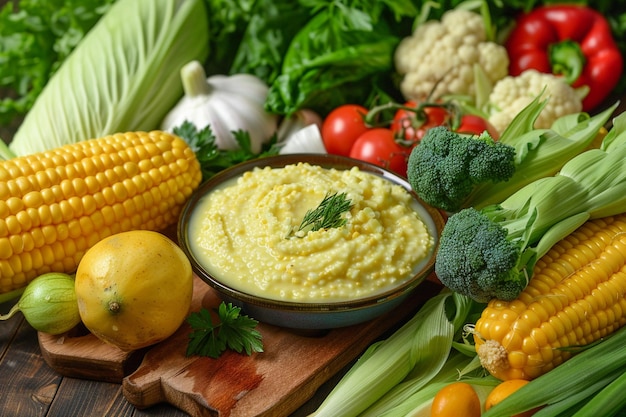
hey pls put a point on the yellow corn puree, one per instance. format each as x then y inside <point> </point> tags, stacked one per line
<point>241,233</point>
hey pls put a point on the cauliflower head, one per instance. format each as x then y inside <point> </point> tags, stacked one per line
<point>439,57</point>
<point>513,93</point>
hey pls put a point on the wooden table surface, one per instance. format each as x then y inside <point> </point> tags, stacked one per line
<point>30,388</point>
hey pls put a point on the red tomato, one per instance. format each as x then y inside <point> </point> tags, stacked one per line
<point>342,127</point>
<point>412,125</point>
<point>475,125</point>
<point>379,147</point>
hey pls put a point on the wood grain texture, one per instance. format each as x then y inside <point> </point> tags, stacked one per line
<point>79,354</point>
<point>20,356</point>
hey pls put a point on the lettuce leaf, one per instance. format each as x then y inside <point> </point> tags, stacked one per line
<point>35,38</point>
<point>228,21</point>
<point>340,54</point>
<point>272,26</point>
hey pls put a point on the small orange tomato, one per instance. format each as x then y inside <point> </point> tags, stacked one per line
<point>503,390</point>
<point>458,399</point>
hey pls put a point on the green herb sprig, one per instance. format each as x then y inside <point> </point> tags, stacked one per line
<point>233,331</point>
<point>327,215</point>
<point>212,159</point>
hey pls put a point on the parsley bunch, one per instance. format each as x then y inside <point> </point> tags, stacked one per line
<point>232,331</point>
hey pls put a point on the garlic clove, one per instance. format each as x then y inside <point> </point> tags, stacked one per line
<point>305,140</point>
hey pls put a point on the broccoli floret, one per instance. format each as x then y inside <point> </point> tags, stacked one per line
<point>446,166</point>
<point>490,252</point>
<point>476,258</point>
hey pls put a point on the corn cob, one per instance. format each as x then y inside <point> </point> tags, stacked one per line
<point>54,205</point>
<point>576,297</point>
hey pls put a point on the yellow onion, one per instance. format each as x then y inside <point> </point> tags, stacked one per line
<point>49,303</point>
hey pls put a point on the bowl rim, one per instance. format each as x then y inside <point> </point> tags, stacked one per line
<point>326,161</point>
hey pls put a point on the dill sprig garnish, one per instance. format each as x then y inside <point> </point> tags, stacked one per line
<point>327,215</point>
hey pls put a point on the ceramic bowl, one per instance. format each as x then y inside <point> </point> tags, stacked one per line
<point>310,315</point>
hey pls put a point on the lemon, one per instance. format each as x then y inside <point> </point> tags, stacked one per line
<point>134,289</point>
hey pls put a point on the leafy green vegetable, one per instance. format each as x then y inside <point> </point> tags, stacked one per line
<point>212,159</point>
<point>123,76</point>
<point>337,56</point>
<point>414,396</point>
<point>271,28</point>
<point>228,20</point>
<point>233,330</point>
<point>36,36</point>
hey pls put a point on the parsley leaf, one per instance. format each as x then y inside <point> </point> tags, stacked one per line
<point>232,331</point>
<point>213,160</point>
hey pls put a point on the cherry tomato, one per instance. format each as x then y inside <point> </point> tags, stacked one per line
<point>412,125</point>
<point>503,390</point>
<point>476,125</point>
<point>342,127</point>
<point>378,146</point>
<point>456,399</point>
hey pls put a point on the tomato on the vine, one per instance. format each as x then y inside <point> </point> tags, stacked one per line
<point>476,125</point>
<point>342,127</point>
<point>379,146</point>
<point>345,131</point>
<point>412,125</point>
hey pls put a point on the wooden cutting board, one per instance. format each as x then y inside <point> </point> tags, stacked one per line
<point>275,382</point>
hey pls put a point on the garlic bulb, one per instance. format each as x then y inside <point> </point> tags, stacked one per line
<point>227,103</point>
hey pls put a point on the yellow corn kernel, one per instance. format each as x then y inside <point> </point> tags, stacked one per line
<point>56,204</point>
<point>577,295</point>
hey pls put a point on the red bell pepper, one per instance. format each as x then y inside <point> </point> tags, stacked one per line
<point>575,42</point>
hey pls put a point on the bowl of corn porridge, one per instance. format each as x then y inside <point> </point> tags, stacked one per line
<point>310,241</point>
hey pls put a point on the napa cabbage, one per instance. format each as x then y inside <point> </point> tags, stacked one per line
<point>123,76</point>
